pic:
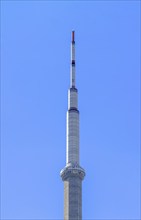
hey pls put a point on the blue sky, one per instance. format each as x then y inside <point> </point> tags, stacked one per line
<point>35,49</point>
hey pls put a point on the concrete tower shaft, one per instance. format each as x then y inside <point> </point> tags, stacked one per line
<point>72,136</point>
<point>72,174</point>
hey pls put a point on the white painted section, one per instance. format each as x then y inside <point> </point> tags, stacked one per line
<point>72,99</point>
<point>72,51</point>
<point>72,76</point>
<point>72,137</point>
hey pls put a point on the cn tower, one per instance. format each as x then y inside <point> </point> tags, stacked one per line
<point>73,173</point>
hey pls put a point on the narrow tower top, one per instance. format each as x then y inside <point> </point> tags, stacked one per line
<point>73,32</point>
<point>73,173</point>
<point>72,81</point>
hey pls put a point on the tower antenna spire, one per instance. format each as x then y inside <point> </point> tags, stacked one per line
<point>72,73</point>
<point>73,173</point>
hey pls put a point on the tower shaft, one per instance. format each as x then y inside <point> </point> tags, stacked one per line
<point>72,174</point>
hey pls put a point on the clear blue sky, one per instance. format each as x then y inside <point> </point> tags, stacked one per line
<point>35,68</point>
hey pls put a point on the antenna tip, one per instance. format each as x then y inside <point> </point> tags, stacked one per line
<point>73,36</point>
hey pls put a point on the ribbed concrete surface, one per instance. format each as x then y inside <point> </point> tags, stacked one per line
<point>72,137</point>
<point>72,99</point>
<point>73,199</point>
